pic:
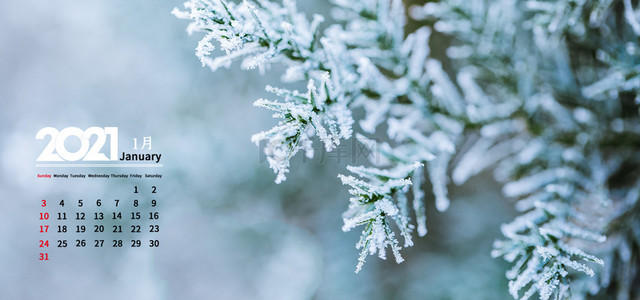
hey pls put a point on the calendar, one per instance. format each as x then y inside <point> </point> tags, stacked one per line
<point>79,224</point>
<point>127,216</point>
<point>127,170</point>
<point>328,149</point>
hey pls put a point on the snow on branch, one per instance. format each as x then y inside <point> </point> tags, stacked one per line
<point>545,93</point>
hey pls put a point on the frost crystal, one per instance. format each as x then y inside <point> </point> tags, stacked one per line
<point>378,199</point>
<point>545,93</point>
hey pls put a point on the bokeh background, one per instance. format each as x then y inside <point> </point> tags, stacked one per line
<point>228,231</point>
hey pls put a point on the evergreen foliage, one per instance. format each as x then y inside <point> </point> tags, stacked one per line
<point>545,93</point>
